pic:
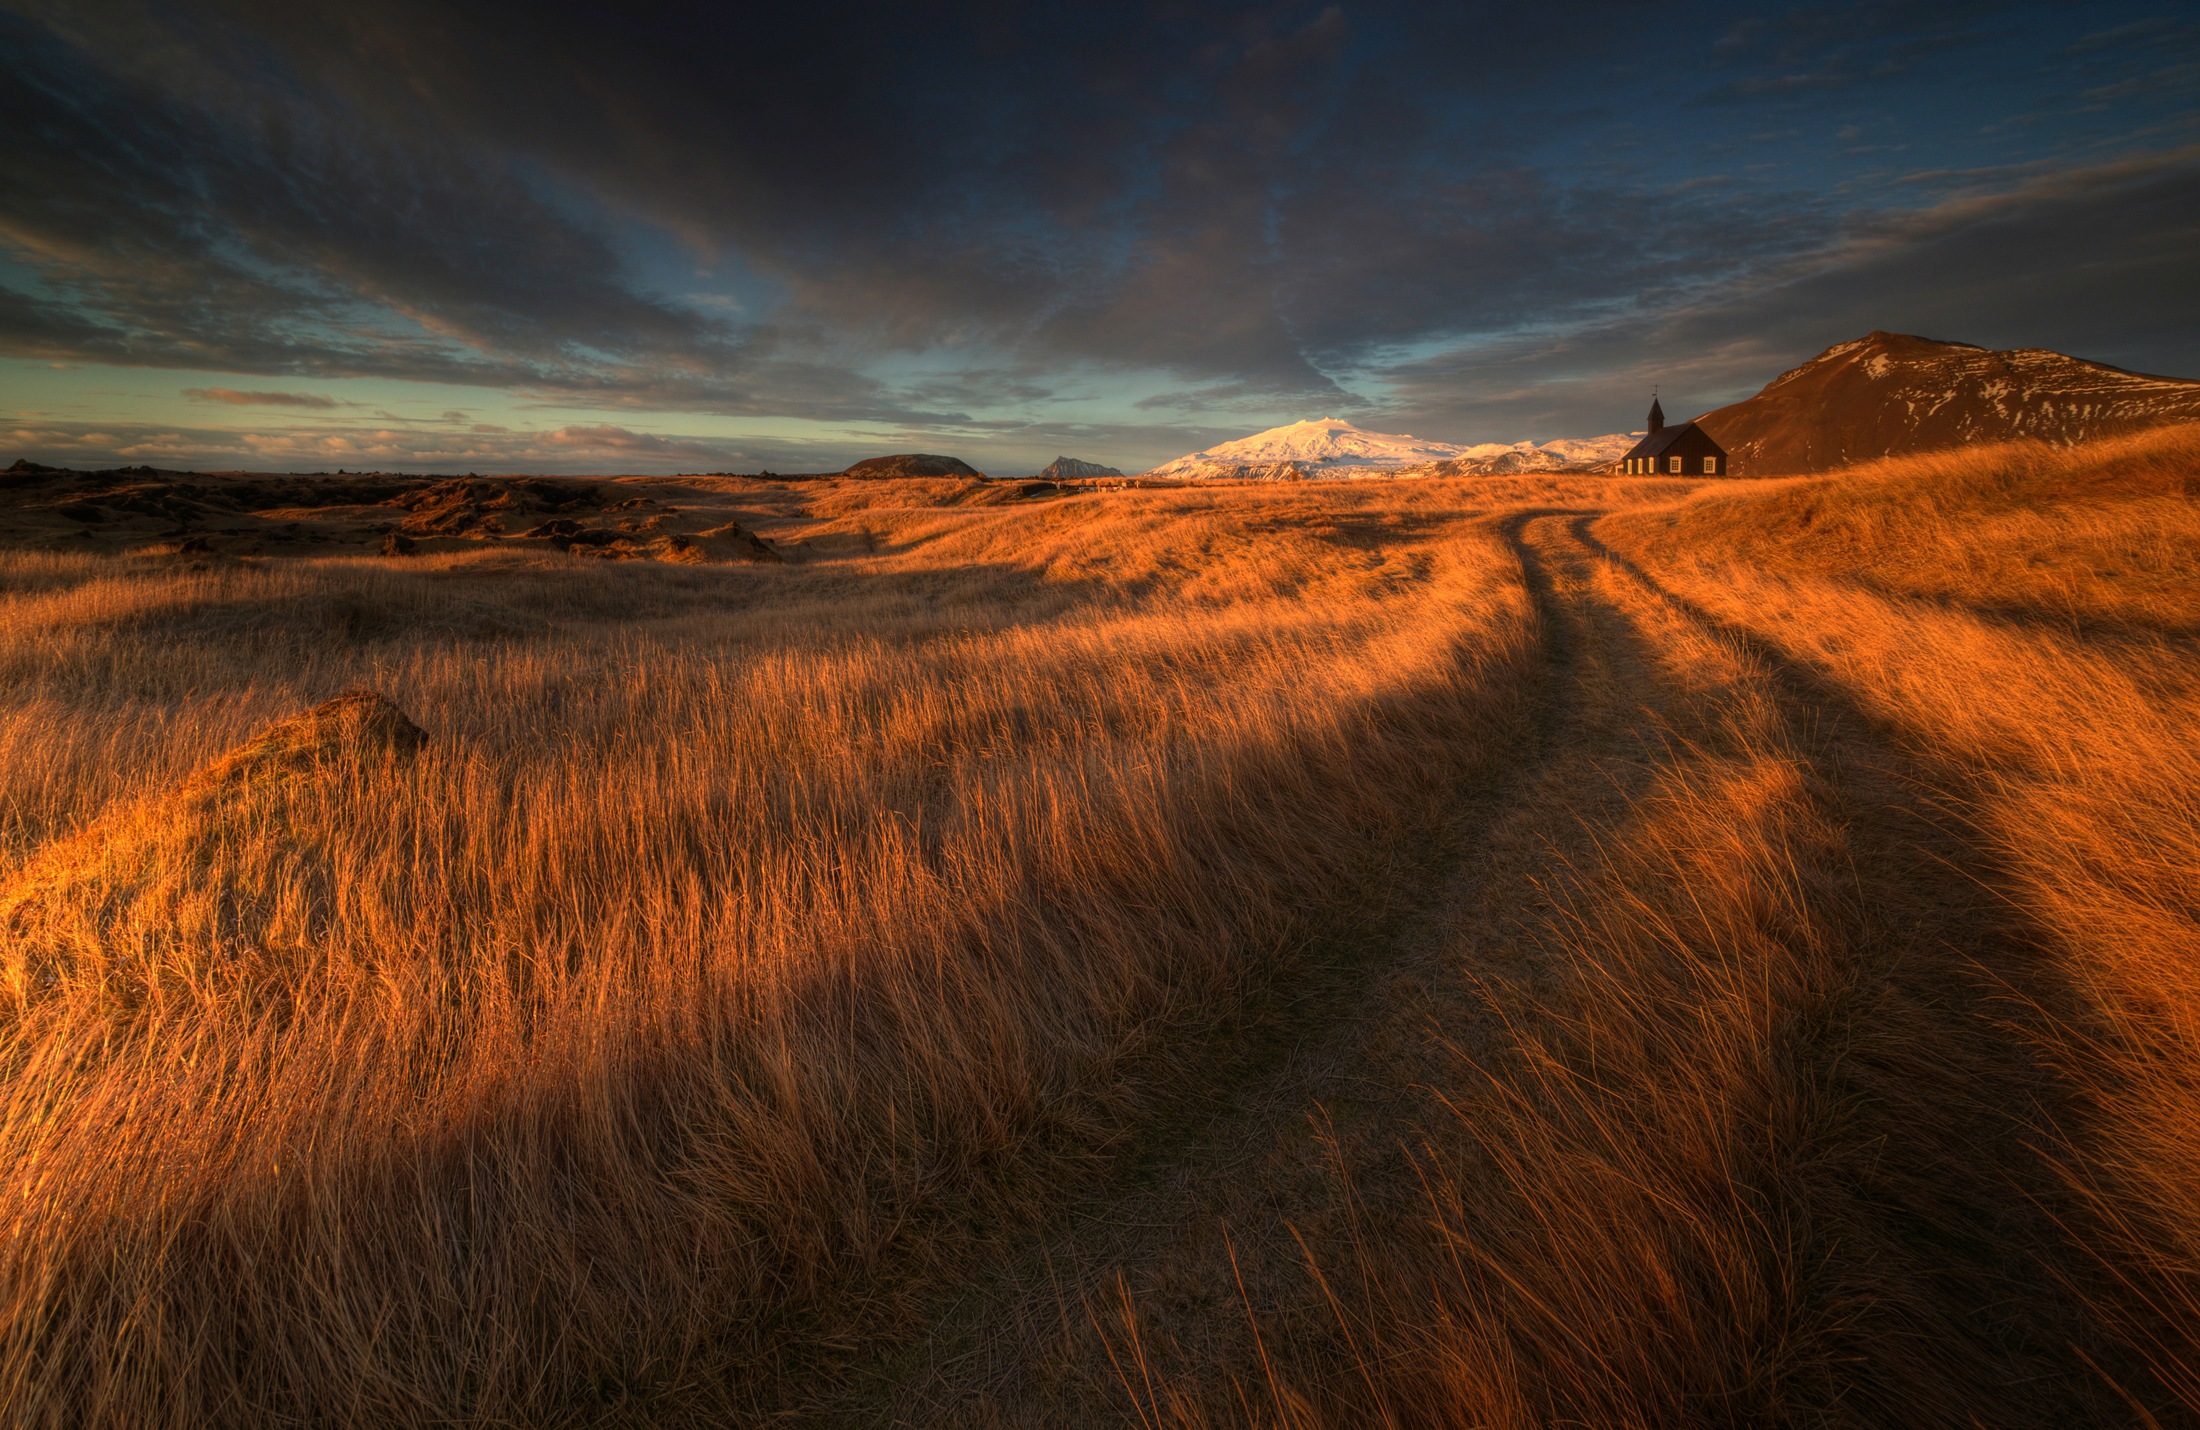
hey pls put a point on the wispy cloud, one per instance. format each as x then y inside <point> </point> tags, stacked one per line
<point>235,398</point>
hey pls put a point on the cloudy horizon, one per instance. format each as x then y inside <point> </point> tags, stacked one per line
<point>411,237</point>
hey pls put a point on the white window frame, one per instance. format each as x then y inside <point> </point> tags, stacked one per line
<point>1711,466</point>
<point>1673,465</point>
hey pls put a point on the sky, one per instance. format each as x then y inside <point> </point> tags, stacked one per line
<point>433,235</point>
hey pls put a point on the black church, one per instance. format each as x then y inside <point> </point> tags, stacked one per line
<point>1683,451</point>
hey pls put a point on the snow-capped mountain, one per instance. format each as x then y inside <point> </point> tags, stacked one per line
<point>1580,452</point>
<point>1560,454</point>
<point>1328,447</point>
<point>1318,447</point>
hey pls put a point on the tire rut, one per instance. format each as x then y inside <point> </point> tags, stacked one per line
<point>1930,1242</point>
<point>1017,1348</point>
<point>1936,1226</point>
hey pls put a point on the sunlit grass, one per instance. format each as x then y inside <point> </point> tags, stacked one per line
<point>741,944</point>
<point>1857,1084</point>
<point>751,953</point>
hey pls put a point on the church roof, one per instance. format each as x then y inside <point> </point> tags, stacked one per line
<point>1655,444</point>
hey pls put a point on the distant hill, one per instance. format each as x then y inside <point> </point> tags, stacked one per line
<point>1066,469</point>
<point>913,464</point>
<point>1886,394</point>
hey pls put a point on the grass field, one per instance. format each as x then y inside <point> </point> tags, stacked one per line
<point>1558,951</point>
<point>743,944</point>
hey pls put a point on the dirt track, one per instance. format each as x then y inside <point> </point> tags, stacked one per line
<point>1889,1178</point>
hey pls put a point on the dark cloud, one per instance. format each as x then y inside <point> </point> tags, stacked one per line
<point>1458,213</point>
<point>283,237</point>
<point>1994,268</point>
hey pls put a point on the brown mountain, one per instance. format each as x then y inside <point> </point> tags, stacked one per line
<point>913,464</point>
<point>1888,393</point>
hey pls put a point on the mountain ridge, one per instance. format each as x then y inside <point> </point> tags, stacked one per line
<point>1889,394</point>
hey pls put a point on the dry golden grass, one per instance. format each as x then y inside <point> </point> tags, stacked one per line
<point>2076,760</point>
<point>753,956</point>
<point>1845,1066</point>
<point>1606,1230</point>
<point>2100,533</point>
<point>746,945</point>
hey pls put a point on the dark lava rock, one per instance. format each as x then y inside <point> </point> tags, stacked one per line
<point>476,506</point>
<point>560,526</point>
<point>740,543</point>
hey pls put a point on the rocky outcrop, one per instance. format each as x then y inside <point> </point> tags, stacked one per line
<point>481,506</point>
<point>1069,469</point>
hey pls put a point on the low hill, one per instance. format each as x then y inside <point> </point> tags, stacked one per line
<point>1890,394</point>
<point>913,464</point>
<point>117,883</point>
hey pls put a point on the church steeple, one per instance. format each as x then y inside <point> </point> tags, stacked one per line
<point>1657,416</point>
